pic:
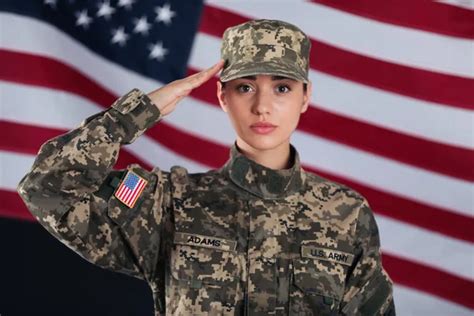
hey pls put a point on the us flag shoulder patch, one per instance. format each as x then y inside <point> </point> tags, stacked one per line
<point>130,189</point>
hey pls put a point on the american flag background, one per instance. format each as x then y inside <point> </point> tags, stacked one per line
<point>392,116</point>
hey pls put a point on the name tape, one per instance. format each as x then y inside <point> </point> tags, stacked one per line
<point>204,241</point>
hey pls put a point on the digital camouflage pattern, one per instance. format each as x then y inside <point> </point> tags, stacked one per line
<point>239,240</point>
<point>263,46</point>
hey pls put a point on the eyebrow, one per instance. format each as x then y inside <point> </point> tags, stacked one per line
<point>274,78</point>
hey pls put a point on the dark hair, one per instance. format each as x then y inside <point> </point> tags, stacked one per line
<point>305,85</point>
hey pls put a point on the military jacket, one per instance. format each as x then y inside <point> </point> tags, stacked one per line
<point>243,239</point>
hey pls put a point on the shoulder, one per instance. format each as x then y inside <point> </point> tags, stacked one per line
<point>341,201</point>
<point>345,207</point>
<point>332,191</point>
<point>181,176</point>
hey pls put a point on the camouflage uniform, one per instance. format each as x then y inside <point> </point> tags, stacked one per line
<point>239,240</point>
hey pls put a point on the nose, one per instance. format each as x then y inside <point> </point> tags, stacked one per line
<point>262,102</point>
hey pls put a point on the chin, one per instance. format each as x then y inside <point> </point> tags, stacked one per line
<point>263,142</point>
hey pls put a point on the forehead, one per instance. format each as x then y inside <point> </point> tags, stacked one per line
<point>272,77</point>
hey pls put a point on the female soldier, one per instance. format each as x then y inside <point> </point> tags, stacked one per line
<point>258,236</point>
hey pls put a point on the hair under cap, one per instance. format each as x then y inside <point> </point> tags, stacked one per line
<point>263,46</point>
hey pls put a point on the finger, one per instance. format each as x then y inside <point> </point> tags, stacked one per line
<point>209,72</point>
<point>217,66</point>
<point>187,84</point>
<point>201,77</point>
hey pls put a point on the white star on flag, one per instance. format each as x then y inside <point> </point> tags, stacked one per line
<point>142,26</point>
<point>164,14</point>
<point>83,19</point>
<point>119,36</point>
<point>105,10</point>
<point>157,51</point>
<point>126,3</point>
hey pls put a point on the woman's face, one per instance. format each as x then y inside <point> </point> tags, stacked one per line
<point>273,99</point>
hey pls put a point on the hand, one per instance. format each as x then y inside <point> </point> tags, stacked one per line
<point>166,97</point>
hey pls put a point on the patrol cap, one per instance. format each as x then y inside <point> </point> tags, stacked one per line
<point>263,46</point>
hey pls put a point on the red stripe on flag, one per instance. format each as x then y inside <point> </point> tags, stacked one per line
<point>12,206</point>
<point>128,195</point>
<point>50,73</point>
<point>120,190</point>
<point>137,192</point>
<point>430,280</point>
<point>431,16</point>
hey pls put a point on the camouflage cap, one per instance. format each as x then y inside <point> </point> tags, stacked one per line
<point>263,46</point>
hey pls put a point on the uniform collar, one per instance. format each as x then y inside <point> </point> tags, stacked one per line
<point>262,181</point>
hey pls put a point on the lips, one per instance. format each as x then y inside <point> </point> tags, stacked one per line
<point>263,127</point>
<point>262,124</point>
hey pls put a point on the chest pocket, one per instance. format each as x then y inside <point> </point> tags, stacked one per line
<point>204,278</point>
<point>317,286</point>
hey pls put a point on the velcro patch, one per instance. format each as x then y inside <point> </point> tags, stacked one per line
<point>130,188</point>
<point>327,254</point>
<point>204,241</point>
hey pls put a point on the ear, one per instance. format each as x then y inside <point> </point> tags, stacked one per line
<point>307,96</point>
<point>221,96</point>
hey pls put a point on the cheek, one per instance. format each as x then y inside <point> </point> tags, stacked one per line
<point>290,118</point>
<point>236,111</point>
<point>237,107</point>
<point>238,116</point>
<point>289,111</point>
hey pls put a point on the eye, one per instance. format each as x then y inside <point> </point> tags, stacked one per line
<point>283,90</point>
<point>244,88</point>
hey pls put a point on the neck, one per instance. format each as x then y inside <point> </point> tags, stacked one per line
<point>275,158</point>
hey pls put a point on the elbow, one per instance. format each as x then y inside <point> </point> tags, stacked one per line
<point>24,188</point>
<point>28,190</point>
<point>39,200</point>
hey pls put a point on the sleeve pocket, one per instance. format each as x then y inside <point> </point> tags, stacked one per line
<point>119,212</point>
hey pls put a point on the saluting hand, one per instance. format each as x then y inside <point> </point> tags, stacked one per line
<point>166,97</point>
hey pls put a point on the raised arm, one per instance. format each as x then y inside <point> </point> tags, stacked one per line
<point>71,187</point>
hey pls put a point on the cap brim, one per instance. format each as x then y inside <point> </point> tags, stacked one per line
<point>253,68</point>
